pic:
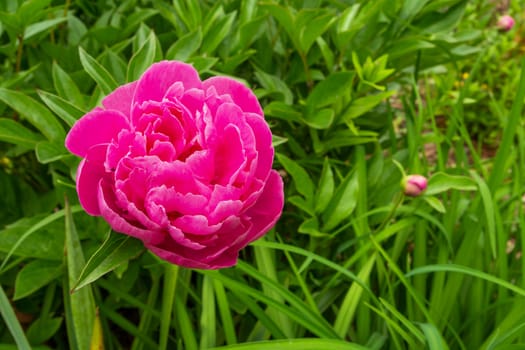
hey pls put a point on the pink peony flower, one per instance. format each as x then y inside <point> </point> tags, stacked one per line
<point>182,164</point>
<point>415,185</point>
<point>505,23</point>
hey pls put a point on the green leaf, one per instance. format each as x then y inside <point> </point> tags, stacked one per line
<point>343,204</point>
<point>311,227</point>
<point>63,109</point>
<point>39,27</point>
<point>143,58</point>
<point>435,340</point>
<point>80,313</point>
<point>41,241</point>
<point>47,152</point>
<point>66,87</point>
<point>442,182</point>
<point>35,275</point>
<point>34,112</point>
<point>303,182</point>
<point>365,104</point>
<point>217,33</point>
<point>283,111</point>
<point>8,314</point>
<point>116,250</point>
<point>334,87</point>
<point>30,9</point>
<point>435,203</point>
<point>15,133</point>
<point>294,344</point>
<point>43,328</point>
<point>311,26</point>
<point>99,74</point>
<point>346,312</point>
<point>325,189</point>
<point>185,46</point>
<point>319,119</point>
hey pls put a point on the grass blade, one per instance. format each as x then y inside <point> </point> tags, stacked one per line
<point>12,323</point>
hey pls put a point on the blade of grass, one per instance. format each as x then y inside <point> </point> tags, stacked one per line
<point>82,303</point>
<point>12,323</point>
<point>294,344</point>
<point>224,311</point>
<point>207,322</point>
<point>353,296</point>
<point>168,295</point>
<point>509,131</point>
<point>266,266</point>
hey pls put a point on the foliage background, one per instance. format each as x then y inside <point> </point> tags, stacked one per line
<point>357,93</point>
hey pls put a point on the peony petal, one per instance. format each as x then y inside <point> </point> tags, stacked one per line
<point>229,157</point>
<point>90,172</point>
<point>95,127</point>
<point>121,99</point>
<point>263,139</point>
<point>154,83</point>
<point>116,220</point>
<point>267,209</point>
<point>195,225</point>
<point>240,94</point>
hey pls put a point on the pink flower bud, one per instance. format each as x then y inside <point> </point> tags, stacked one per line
<point>415,185</point>
<point>505,23</point>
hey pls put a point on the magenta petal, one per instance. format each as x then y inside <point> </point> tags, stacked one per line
<point>157,80</point>
<point>268,207</point>
<point>116,220</point>
<point>240,94</point>
<point>263,137</point>
<point>90,172</point>
<point>121,99</point>
<point>96,127</point>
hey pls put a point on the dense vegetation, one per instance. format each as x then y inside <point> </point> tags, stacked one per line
<point>358,95</point>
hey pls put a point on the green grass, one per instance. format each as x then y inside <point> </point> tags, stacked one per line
<point>358,94</point>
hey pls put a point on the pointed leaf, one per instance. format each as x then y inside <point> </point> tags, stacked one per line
<point>17,134</point>
<point>116,250</point>
<point>35,275</point>
<point>34,112</point>
<point>81,303</point>
<point>99,74</point>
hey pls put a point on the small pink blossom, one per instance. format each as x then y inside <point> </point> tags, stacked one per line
<point>182,164</point>
<point>415,185</point>
<point>505,23</point>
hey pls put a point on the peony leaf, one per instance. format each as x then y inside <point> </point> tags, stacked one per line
<point>325,188</point>
<point>80,306</point>
<point>34,112</point>
<point>63,108</point>
<point>35,275</point>
<point>343,204</point>
<point>303,182</point>
<point>442,182</point>
<point>66,87</point>
<point>143,58</point>
<point>47,152</point>
<point>17,134</point>
<point>116,250</point>
<point>99,74</point>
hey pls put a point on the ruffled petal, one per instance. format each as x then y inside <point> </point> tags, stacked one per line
<point>96,127</point>
<point>90,172</point>
<point>158,79</point>
<point>121,99</point>
<point>240,94</point>
<point>267,209</point>
<point>263,137</point>
<point>116,220</point>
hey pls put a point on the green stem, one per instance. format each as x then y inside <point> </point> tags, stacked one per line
<point>168,295</point>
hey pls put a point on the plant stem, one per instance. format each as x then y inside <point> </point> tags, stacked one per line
<point>168,295</point>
